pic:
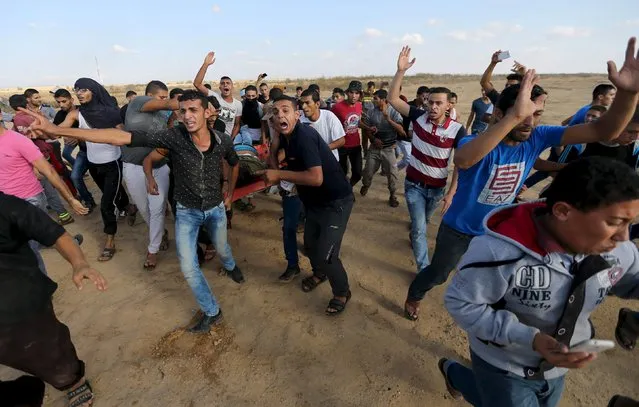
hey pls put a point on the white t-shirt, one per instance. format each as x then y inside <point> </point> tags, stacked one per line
<point>328,126</point>
<point>228,111</point>
<point>98,153</point>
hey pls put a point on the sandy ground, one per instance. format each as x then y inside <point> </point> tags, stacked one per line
<point>276,347</point>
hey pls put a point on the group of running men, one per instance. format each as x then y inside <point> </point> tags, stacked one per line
<point>529,274</point>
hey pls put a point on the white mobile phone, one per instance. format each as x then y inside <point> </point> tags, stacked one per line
<point>593,346</point>
<point>503,55</point>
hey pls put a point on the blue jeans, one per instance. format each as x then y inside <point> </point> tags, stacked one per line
<point>80,167</point>
<point>66,153</point>
<point>487,385</point>
<point>421,202</point>
<point>187,225</point>
<point>292,208</point>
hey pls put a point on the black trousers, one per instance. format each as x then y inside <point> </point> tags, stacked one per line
<point>114,198</point>
<point>323,234</point>
<point>354,155</point>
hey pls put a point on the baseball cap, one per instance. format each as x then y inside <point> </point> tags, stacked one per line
<point>354,86</point>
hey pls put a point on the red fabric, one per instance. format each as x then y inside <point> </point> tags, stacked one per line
<point>517,223</point>
<point>428,160</point>
<point>349,116</point>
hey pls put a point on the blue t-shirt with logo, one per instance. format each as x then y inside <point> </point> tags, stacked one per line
<point>580,116</point>
<point>495,180</point>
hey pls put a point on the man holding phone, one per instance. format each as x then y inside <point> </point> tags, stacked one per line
<point>512,79</point>
<point>525,290</point>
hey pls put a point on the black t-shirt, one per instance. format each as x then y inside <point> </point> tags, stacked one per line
<point>493,95</point>
<point>306,149</point>
<point>619,153</point>
<point>24,289</point>
<point>219,125</point>
<point>123,110</point>
<point>262,99</point>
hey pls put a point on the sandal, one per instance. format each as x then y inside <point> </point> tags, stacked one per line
<point>81,394</point>
<point>131,214</point>
<point>627,329</point>
<point>209,253</point>
<point>310,283</point>
<point>148,264</point>
<point>164,245</point>
<point>337,305</point>
<point>107,254</point>
<point>414,314</point>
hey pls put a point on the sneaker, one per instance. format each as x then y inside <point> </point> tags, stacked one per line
<point>621,401</point>
<point>393,202</point>
<point>78,239</point>
<point>451,390</point>
<point>235,274</point>
<point>363,191</point>
<point>290,274</point>
<point>65,219</point>
<point>205,322</point>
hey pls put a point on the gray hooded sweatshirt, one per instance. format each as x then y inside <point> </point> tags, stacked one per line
<point>509,288</point>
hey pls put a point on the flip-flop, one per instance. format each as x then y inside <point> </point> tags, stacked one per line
<point>83,393</point>
<point>107,254</point>
<point>414,316</point>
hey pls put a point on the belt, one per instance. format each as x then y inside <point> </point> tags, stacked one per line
<point>422,184</point>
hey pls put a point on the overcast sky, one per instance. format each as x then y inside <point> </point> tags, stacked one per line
<point>55,42</point>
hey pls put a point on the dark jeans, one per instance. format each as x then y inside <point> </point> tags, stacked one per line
<point>536,178</point>
<point>354,155</point>
<point>41,346</point>
<point>292,209</point>
<point>449,248</point>
<point>323,233</point>
<point>80,167</point>
<point>486,385</point>
<point>66,153</point>
<point>114,198</point>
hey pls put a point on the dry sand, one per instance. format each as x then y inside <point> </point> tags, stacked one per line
<point>276,347</point>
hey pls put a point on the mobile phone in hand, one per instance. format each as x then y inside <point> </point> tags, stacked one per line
<point>503,55</point>
<point>592,346</point>
<point>264,75</point>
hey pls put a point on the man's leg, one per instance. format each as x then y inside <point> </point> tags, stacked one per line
<point>215,222</point>
<point>389,166</point>
<point>416,203</point>
<point>110,176</point>
<point>343,159</point>
<point>67,153</point>
<point>355,157</point>
<point>80,167</point>
<point>39,201</point>
<point>449,248</point>
<point>187,225</point>
<point>291,208</point>
<point>157,208</point>
<point>373,161</point>
<point>55,202</point>
<point>135,181</point>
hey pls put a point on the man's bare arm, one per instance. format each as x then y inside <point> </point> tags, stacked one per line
<point>236,127</point>
<point>471,116</point>
<point>547,166</point>
<point>155,105</point>
<point>198,82</point>
<point>337,143</point>
<point>403,64</point>
<point>71,252</point>
<point>487,77</point>
<point>313,176</point>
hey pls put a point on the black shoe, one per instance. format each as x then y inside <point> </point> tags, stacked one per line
<point>236,275</point>
<point>621,401</point>
<point>205,323</point>
<point>290,274</point>
<point>78,239</point>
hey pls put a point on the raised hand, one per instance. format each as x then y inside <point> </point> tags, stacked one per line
<point>404,62</point>
<point>518,68</point>
<point>209,59</point>
<point>524,106</point>
<point>495,58</point>
<point>627,78</point>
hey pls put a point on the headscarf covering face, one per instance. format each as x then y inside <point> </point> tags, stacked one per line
<point>102,111</point>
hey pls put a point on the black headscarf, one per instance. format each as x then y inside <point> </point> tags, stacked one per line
<point>102,111</point>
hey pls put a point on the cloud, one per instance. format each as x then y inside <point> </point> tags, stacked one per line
<point>267,43</point>
<point>241,53</point>
<point>33,25</point>
<point>414,38</point>
<point>632,23</point>
<point>569,31</point>
<point>433,21</point>
<point>373,32</point>
<point>216,8</point>
<point>123,50</point>
<point>491,30</point>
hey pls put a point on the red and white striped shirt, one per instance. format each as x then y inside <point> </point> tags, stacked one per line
<point>431,149</point>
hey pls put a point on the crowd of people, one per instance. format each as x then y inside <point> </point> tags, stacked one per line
<point>529,273</point>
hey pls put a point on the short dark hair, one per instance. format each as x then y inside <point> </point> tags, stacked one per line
<point>226,77</point>
<point>191,94</point>
<point>30,92</point>
<point>175,91</point>
<point>62,93</point>
<point>250,87</point>
<point>453,95</point>
<point>382,94</point>
<point>130,93</point>
<point>423,89</point>
<point>509,95</point>
<point>155,86</point>
<point>312,93</point>
<point>299,88</point>
<point>598,108</point>
<point>384,83</point>
<point>275,93</point>
<point>208,86</point>
<point>514,77</point>
<point>440,89</point>
<point>262,84</point>
<point>593,182</point>
<point>602,90</point>
<point>289,99</point>
<point>340,91</point>
<point>314,86</point>
<point>370,83</point>
<point>16,101</point>
<point>214,102</point>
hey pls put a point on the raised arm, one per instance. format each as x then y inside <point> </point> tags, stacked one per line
<point>613,123</point>
<point>487,77</point>
<point>155,105</point>
<point>404,63</point>
<point>473,151</point>
<point>198,82</point>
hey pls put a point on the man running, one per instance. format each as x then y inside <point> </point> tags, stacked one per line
<point>602,95</point>
<point>386,126</point>
<point>326,194</point>
<point>33,340</point>
<point>197,155</point>
<point>493,164</point>
<point>230,108</point>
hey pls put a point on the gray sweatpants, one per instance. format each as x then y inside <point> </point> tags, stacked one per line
<point>385,158</point>
<point>53,197</point>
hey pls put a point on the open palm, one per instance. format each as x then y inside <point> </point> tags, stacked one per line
<point>404,62</point>
<point>627,78</point>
